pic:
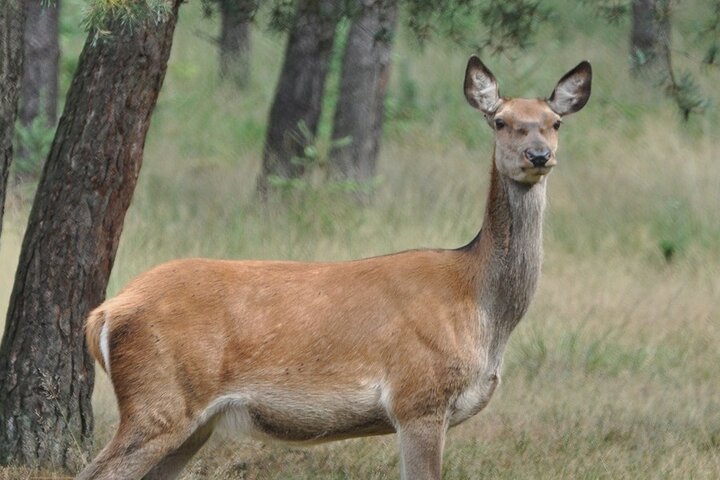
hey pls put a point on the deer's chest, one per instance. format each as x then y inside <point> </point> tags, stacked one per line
<point>474,397</point>
<point>484,376</point>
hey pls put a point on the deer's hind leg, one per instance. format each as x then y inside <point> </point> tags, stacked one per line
<point>174,462</point>
<point>133,451</point>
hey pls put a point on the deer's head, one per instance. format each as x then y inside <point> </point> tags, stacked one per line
<point>526,130</point>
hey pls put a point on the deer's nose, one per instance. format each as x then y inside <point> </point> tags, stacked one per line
<point>538,156</point>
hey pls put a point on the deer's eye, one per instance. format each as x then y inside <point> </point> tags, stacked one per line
<point>557,124</point>
<point>500,123</point>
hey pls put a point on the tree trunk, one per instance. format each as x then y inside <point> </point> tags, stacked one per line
<point>12,19</point>
<point>46,373</point>
<point>236,16</point>
<point>42,53</point>
<point>295,112</point>
<point>364,79</point>
<point>38,96</point>
<point>650,39</point>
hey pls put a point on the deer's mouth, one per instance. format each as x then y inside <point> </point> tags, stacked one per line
<point>544,170</point>
<point>539,170</point>
<point>535,174</point>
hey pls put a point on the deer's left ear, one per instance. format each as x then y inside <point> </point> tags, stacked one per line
<point>572,91</point>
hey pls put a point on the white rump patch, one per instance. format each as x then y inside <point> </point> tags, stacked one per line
<point>105,347</point>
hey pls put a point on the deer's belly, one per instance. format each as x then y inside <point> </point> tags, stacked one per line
<point>303,417</point>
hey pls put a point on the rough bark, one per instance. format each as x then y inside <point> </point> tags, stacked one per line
<point>236,16</point>
<point>12,19</point>
<point>296,109</point>
<point>46,373</point>
<point>359,114</point>
<point>650,39</point>
<point>42,54</point>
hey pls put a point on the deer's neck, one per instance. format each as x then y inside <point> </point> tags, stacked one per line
<point>508,251</point>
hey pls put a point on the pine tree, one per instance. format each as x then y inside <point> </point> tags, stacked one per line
<point>650,39</point>
<point>234,43</point>
<point>12,20</point>
<point>39,92</point>
<point>295,112</point>
<point>46,373</point>
<point>364,80</point>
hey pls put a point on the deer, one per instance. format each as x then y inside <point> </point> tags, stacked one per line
<point>410,343</point>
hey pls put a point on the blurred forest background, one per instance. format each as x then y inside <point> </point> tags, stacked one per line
<point>612,374</point>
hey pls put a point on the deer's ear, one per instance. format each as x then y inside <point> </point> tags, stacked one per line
<point>481,88</point>
<point>572,91</point>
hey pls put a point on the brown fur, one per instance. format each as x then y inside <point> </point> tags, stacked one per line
<point>410,342</point>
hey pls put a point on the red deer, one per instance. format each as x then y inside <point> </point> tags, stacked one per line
<point>410,343</point>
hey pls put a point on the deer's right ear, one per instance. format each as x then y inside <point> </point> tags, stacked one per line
<point>481,88</point>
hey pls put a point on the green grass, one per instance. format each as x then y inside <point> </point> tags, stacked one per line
<point>612,374</point>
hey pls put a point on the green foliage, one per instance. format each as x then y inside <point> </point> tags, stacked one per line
<point>104,18</point>
<point>509,25</point>
<point>711,33</point>
<point>687,95</point>
<point>536,355</point>
<point>332,83</point>
<point>711,55</point>
<point>248,7</point>
<point>533,353</point>
<point>315,202</point>
<point>282,15</point>
<point>674,229</point>
<point>32,143</point>
<point>315,208</point>
<point>403,104</point>
<point>684,89</point>
<point>612,11</point>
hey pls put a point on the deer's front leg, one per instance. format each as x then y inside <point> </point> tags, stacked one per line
<point>421,447</point>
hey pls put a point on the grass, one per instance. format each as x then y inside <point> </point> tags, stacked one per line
<point>612,374</point>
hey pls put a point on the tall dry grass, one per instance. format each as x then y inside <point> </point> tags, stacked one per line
<point>612,374</point>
